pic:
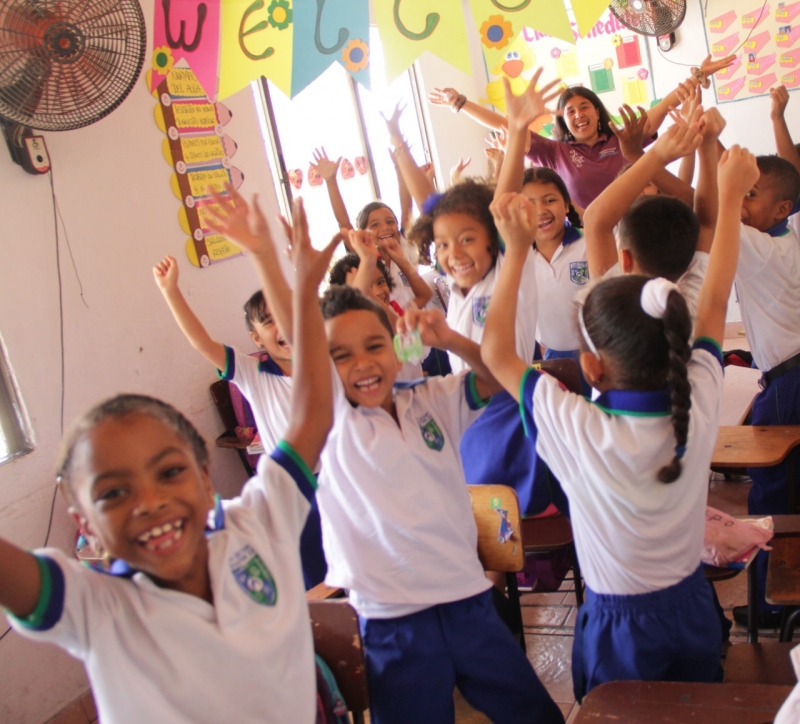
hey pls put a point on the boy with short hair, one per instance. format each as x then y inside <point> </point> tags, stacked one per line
<point>267,384</point>
<point>399,528</point>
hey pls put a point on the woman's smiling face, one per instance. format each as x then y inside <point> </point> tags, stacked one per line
<point>582,119</point>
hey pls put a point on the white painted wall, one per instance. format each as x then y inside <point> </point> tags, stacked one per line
<point>112,185</point>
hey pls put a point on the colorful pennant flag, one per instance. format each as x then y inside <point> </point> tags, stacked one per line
<point>186,29</point>
<point>499,23</point>
<point>410,27</point>
<point>256,40</point>
<point>328,31</point>
<point>587,13</point>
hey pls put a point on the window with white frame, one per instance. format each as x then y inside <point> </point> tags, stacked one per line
<point>15,437</point>
<point>341,116</point>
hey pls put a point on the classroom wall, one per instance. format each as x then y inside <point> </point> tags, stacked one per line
<point>112,185</point>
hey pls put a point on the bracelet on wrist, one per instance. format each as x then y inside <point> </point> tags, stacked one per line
<point>458,103</point>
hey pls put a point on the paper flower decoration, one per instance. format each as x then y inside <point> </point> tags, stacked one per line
<point>163,60</point>
<point>555,53</point>
<point>643,74</point>
<point>355,56</point>
<point>608,64</point>
<point>617,40</point>
<point>280,14</point>
<point>496,32</point>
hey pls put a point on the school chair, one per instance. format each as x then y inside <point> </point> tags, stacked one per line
<point>765,663</point>
<point>497,517</point>
<point>554,533</point>
<point>234,411</point>
<point>337,641</point>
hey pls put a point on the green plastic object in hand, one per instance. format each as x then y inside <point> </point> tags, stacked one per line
<point>408,346</point>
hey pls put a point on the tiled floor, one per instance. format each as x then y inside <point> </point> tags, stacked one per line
<point>548,619</point>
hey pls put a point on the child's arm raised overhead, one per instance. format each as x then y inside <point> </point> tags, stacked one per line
<point>422,292</point>
<point>783,139</point>
<point>414,177</point>
<point>244,224</point>
<point>737,173</point>
<point>166,276</point>
<point>451,97</point>
<point>515,219</point>
<point>706,198</point>
<point>328,170</point>
<point>605,212</point>
<point>312,397</point>
<point>523,110</point>
<point>435,332</point>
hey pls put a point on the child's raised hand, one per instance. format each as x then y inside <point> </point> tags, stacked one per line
<point>393,125</point>
<point>363,243</point>
<point>391,247</point>
<point>526,108</point>
<point>631,135</point>
<point>310,265</point>
<point>713,125</point>
<point>515,218</point>
<point>166,274</point>
<point>324,166</point>
<point>429,170</point>
<point>691,96</point>
<point>458,170</point>
<point>680,139</point>
<point>737,172</point>
<point>780,99</point>
<point>442,96</point>
<point>431,323</point>
<point>710,66</point>
<point>237,220</point>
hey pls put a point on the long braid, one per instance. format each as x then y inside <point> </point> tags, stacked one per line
<point>677,329</point>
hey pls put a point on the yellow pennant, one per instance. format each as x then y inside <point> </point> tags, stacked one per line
<point>410,27</point>
<point>587,13</point>
<point>256,40</point>
<point>500,21</point>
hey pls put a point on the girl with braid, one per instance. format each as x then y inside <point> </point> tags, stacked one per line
<point>634,463</point>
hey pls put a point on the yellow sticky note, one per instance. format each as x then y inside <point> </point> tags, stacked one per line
<point>567,64</point>
<point>634,91</point>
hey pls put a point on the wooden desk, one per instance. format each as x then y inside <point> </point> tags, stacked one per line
<point>635,702</point>
<point>783,577</point>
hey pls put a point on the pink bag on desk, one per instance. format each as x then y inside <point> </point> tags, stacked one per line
<point>728,540</point>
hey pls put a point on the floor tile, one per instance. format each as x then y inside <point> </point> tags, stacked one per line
<point>544,616</point>
<point>551,657</point>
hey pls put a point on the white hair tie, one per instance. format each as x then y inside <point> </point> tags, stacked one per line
<point>655,294</point>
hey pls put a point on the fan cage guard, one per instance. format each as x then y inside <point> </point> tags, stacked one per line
<point>650,17</point>
<point>65,64</point>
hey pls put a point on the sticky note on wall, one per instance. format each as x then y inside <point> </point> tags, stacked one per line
<point>787,13</point>
<point>601,78</point>
<point>787,40</point>
<point>761,85</point>
<point>754,18</point>
<point>761,65</point>
<point>628,53</point>
<point>756,43</point>
<point>726,45</point>
<point>722,23</point>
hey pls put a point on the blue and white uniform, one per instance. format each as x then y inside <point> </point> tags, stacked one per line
<point>157,655</point>
<point>639,540</point>
<point>400,534</point>
<point>269,393</point>
<point>769,299</point>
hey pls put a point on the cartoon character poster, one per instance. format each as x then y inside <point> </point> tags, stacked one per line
<point>610,59</point>
<point>765,37</point>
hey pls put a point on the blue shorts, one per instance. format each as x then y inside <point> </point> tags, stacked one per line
<point>414,662</point>
<point>312,557</point>
<point>668,635</point>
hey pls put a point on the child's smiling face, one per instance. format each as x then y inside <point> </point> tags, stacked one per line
<point>382,223</point>
<point>551,210</point>
<point>463,248</point>
<point>762,207</point>
<point>268,337</point>
<point>140,491</point>
<point>363,351</point>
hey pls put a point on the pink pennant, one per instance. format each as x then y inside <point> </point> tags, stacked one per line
<point>729,91</point>
<point>756,17</point>
<point>756,43</point>
<point>789,60</point>
<point>296,178</point>
<point>761,65</point>
<point>722,23</point>
<point>347,170</point>
<point>361,164</point>
<point>187,29</point>
<point>757,86</point>
<point>791,80</point>
<point>786,13</point>
<point>314,179</point>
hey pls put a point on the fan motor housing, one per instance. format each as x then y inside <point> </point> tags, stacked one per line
<point>64,42</point>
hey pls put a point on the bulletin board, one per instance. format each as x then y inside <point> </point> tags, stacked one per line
<point>611,60</point>
<point>766,40</point>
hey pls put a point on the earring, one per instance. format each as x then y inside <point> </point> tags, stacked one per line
<point>599,126</point>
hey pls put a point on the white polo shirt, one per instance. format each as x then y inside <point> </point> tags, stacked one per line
<point>397,522</point>
<point>789,713</point>
<point>466,313</point>
<point>768,286</point>
<point>158,655</point>
<point>558,280</point>
<point>266,388</point>
<point>633,533</point>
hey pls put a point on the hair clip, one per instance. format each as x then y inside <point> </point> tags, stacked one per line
<point>680,451</point>
<point>654,296</point>
<point>431,202</point>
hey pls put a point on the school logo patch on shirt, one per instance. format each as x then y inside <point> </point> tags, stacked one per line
<point>253,576</point>
<point>579,272</point>
<point>431,433</point>
<point>576,158</point>
<point>403,278</point>
<point>479,307</point>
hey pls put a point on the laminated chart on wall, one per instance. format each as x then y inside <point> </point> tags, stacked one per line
<point>199,151</point>
<point>766,40</point>
<point>609,59</point>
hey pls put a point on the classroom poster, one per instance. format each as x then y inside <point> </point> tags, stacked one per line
<point>611,60</point>
<point>766,40</point>
<point>199,151</point>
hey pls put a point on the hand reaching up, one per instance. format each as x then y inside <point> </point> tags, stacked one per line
<point>515,218</point>
<point>442,96</point>
<point>681,139</point>
<point>324,166</point>
<point>363,243</point>
<point>240,222</point>
<point>526,108</point>
<point>713,125</point>
<point>780,99</point>
<point>631,135</point>
<point>310,265</point>
<point>710,66</point>
<point>457,172</point>
<point>166,274</point>
<point>393,125</point>
<point>433,328</point>
<point>737,172</point>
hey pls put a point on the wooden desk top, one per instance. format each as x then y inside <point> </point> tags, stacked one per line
<point>783,571</point>
<point>634,702</point>
<point>744,446</point>
<point>785,524</point>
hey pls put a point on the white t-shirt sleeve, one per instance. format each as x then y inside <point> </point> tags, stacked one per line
<point>456,401</point>
<point>281,492</point>
<point>692,281</point>
<point>242,370</point>
<point>755,249</point>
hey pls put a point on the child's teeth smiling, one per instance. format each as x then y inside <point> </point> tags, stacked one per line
<point>368,384</point>
<point>462,267</point>
<point>162,536</point>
